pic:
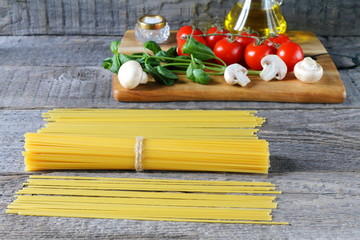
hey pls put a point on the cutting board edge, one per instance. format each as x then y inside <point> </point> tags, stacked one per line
<point>122,96</point>
<point>333,96</point>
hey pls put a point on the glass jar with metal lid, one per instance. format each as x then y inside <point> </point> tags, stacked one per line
<point>152,28</point>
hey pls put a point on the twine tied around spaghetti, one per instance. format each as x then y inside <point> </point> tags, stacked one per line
<point>138,154</point>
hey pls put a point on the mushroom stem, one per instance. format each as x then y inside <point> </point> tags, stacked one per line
<point>236,74</point>
<point>273,67</point>
<point>130,75</point>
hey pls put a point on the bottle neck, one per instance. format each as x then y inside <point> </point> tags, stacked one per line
<point>264,4</point>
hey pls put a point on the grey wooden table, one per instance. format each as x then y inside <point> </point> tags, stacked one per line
<point>315,148</point>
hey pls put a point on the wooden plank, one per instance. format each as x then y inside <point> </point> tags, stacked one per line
<point>329,89</point>
<point>57,51</point>
<point>317,205</point>
<point>5,19</point>
<point>304,140</point>
<point>300,140</point>
<point>32,87</point>
<point>35,65</point>
<point>48,87</point>
<point>113,17</point>
<point>91,50</point>
<point>63,87</point>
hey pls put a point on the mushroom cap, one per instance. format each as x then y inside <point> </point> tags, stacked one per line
<point>130,74</point>
<point>308,70</point>
<point>273,67</point>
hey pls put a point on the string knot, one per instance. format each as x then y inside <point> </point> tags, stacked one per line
<point>138,153</point>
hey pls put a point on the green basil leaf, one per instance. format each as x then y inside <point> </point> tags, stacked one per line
<point>114,46</point>
<point>115,63</point>
<point>162,54</point>
<point>166,73</point>
<point>182,57</point>
<point>201,77</point>
<point>124,58</point>
<point>171,52</point>
<point>152,46</point>
<point>200,63</point>
<point>151,61</point>
<point>190,71</point>
<point>141,61</point>
<point>107,63</point>
<point>198,50</point>
<point>160,79</point>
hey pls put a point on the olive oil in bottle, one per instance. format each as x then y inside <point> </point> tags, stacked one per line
<point>262,16</point>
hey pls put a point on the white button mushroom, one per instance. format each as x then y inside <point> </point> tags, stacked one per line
<point>130,75</point>
<point>273,67</point>
<point>236,74</point>
<point>308,70</point>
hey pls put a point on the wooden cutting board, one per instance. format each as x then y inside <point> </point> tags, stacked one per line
<point>329,89</point>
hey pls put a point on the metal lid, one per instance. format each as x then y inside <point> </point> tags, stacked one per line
<point>151,22</point>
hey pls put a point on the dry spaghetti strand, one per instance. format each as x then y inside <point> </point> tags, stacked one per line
<point>179,140</point>
<point>161,200</point>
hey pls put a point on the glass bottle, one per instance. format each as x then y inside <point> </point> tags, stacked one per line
<point>262,16</point>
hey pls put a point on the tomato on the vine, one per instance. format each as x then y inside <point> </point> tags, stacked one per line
<point>254,53</point>
<point>181,37</point>
<point>189,30</point>
<point>230,52</point>
<point>277,40</point>
<point>212,40</point>
<point>291,53</point>
<point>246,39</point>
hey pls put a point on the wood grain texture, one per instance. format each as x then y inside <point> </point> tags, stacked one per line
<point>62,71</point>
<point>113,17</point>
<point>54,51</point>
<point>60,51</point>
<point>314,147</point>
<point>317,205</point>
<point>329,89</point>
<point>300,140</point>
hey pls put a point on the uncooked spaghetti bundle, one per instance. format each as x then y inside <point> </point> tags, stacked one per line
<point>183,140</point>
<point>147,199</point>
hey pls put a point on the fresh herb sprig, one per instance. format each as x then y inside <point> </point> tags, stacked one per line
<point>164,66</point>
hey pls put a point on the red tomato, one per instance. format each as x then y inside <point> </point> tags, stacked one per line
<point>279,39</point>
<point>229,52</point>
<point>291,53</point>
<point>254,53</point>
<point>187,30</point>
<point>212,40</point>
<point>244,41</point>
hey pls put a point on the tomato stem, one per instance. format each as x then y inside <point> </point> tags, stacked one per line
<point>230,35</point>
<point>272,43</point>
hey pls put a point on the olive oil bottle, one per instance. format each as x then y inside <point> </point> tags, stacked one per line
<point>262,16</point>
